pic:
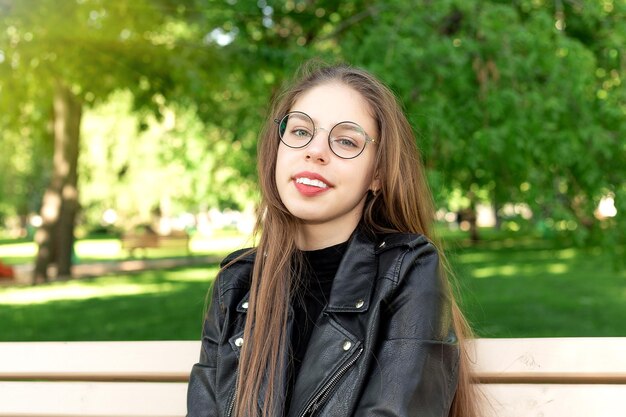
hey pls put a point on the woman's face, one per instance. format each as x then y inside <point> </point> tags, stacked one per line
<point>315,184</point>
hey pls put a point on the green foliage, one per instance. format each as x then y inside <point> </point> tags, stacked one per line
<point>181,165</point>
<point>95,47</point>
<point>510,100</point>
<point>24,169</point>
<point>515,101</point>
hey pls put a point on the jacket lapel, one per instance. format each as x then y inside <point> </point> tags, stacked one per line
<point>354,282</point>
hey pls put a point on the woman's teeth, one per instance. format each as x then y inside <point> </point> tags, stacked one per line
<point>313,183</point>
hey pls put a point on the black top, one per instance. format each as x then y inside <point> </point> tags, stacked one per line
<point>310,297</point>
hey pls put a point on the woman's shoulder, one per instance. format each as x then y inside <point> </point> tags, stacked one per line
<point>416,244</point>
<point>408,256</point>
<point>245,255</point>
<point>236,270</point>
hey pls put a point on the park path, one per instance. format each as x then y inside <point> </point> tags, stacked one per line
<point>23,273</point>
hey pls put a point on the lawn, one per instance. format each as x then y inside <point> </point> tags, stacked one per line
<point>152,305</point>
<point>535,290</point>
<point>510,287</point>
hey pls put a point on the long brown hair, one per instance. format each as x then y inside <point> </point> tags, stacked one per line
<point>402,204</point>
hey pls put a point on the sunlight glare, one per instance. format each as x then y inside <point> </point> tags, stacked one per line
<point>77,291</point>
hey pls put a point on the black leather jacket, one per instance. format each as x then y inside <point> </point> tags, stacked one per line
<point>384,345</point>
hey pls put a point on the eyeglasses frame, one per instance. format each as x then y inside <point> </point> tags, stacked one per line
<point>368,139</point>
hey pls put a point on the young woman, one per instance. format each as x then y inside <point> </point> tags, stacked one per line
<point>344,308</point>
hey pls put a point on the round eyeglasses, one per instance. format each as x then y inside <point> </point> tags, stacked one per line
<point>347,140</point>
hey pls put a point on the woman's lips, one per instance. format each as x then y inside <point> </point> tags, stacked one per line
<point>310,184</point>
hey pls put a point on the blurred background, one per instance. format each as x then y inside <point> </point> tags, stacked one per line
<point>128,133</point>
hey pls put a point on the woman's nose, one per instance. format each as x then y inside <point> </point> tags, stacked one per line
<point>318,149</point>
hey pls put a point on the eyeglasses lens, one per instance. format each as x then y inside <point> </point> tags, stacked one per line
<point>347,139</point>
<point>296,130</point>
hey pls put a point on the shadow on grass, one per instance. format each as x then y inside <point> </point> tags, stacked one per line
<point>156,305</point>
<point>541,292</point>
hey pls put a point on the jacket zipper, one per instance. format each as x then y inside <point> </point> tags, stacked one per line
<point>232,402</point>
<point>323,394</point>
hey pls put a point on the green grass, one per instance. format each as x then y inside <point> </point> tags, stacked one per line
<point>510,287</point>
<point>153,305</point>
<point>532,289</point>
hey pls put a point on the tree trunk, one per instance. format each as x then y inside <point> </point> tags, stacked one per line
<point>55,237</point>
<point>472,218</point>
<point>474,236</point>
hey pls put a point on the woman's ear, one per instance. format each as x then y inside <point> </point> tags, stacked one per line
<point>375,184</point>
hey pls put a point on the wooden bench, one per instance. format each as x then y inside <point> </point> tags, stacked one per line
<point>558,377</point>
<point>176,240</point>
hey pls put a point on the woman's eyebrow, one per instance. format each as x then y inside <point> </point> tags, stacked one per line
<point>317,122</point>
<point>299,116</point>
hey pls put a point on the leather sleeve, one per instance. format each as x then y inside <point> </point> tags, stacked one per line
<point>201,399</point>
<point>416,356</point>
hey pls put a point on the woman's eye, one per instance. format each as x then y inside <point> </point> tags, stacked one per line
<point>301,133</point>
<point>346,142</point>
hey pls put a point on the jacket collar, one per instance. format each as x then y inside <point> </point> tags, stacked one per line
<point>356,276</point>
<point>359,268</point>
<point>354,282</point>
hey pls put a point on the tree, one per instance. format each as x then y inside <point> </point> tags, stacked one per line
<point>59,57</point>
<point>489,86</point>
<point>514,101</point>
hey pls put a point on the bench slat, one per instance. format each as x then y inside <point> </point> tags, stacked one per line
<point>550,360</point>
<point>99,361</point>
<point>133,399</point>
<point>574,377</point>
<point>547,400</point>
<point>92,399</point>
